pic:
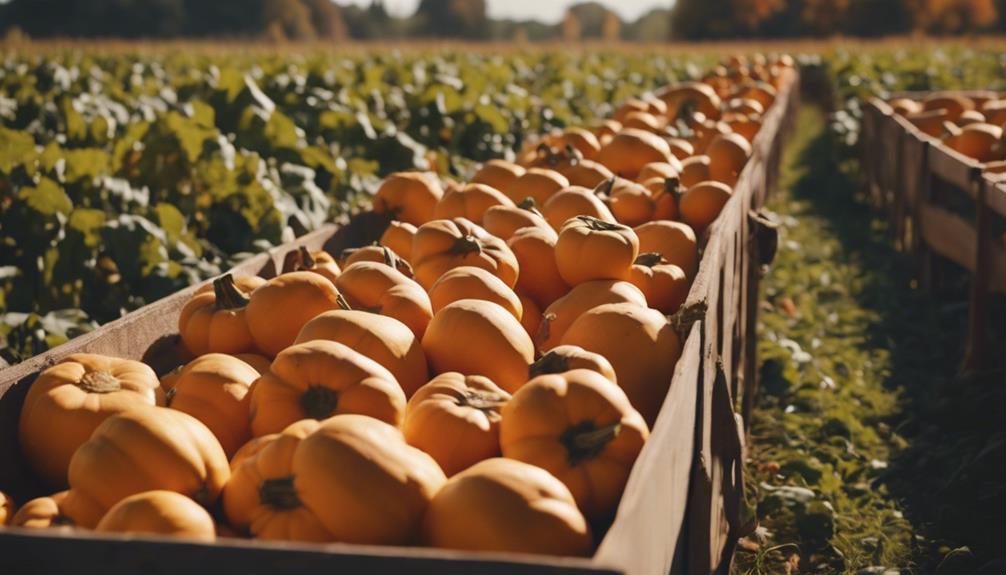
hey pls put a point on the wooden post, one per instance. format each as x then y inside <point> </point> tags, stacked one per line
<point>974,352</point>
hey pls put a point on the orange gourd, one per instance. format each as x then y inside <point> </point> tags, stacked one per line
<point>702,204</point>
<point>540,184</point>
<point>159,513</point>
<point>7,509</point>
<point>398,236</point>
<point>443,245</point>
<point>674,241</point>
<point>569,357</point>
<point>498,174</point>
<point>592,249</point>
<point>408,197</point>
<point>531,319</point>
<point>534,249</point>
<point>575,201</point>
<point>665,285</point>
<point>504,221</point>
<point>586,173</point>
<point>468,282</point>
<point>471,202</point>
<point>630,150</point>
<point>43,513</point>
<point>279,309</point>
<point>214,320</point>
<point>695,170</point>
<point>728,154</point>
<point>377,254</point>
<point>319,262</point>
<point>631,203</point>
<point>557,318</point>
<point>663,170</point>
<point>381,289</point>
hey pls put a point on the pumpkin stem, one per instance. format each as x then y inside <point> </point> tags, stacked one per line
<point>551,362</point>
<point>346,254</point>
<point>545,327</point>
<point>99,382</point>
<point>649,259</point>
<point>307,261</point>
<point>673,187</point>
<point>586,440</point>
<point>319,402</point>
<point>686,316</point>
<point>228,294</point>
<point>597,225</point>
<point>466,245</point>
<point>279,493</point>
<point>481,400</point>
<point>343,304</point>
<point>605,187</point>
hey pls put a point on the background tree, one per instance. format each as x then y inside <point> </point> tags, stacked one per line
<point>452,19</point>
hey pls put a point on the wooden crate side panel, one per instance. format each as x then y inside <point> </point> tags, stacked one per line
<point>948,235</point>
<point>956,169</point>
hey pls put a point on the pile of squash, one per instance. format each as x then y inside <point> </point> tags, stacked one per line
<point>483,378</point>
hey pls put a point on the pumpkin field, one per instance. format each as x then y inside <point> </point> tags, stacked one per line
<point>660,309</point>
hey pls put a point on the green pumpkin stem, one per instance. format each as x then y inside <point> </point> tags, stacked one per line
<point>228,294</point>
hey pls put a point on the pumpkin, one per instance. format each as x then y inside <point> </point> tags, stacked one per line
<point>666,196</point>
<point>350,478</point>
<point>319,379</point>
<point>470,202</point>
<point>631,203</point>
<point>728,154</point>
<point>378,254</point>
<point>477,337</point>
<point>745,106</point>
<point>381,289</point>
<point>464,408</point>
<point>575,201</point>
<point>7,508</point>
<point>953,104</point>
<point>215,321</point>
<point>159,512</point>
<point>690,95</point>
<point>144,449</point>
<point>586,173</point>
<point>409,197</point>
<point>443,245</point>
<point>531,318</point>
<point>663,170</point>
<point>592,249</point>
<point>580,139</point>
<point>504,221</point>
<point>642,120</point>
<point>630,106</point>
<point>383,339</point>
<point>259,363</point>
<point>695,170</point>
<point>565,358</point>
<point>979,141</point>
<point>665,285</point>
<point>497,174</point>
<point>680,149</point>
<point>580,427</point>
<point>971,117</point>
<point>605,130</point>
<point>930,122</point>
<point>398,237</point>
<point>674,241</point>
<point>42,513</point>
<point>245,284</point>
<point>507,506</point>
<point>468,282</point>
<point>305,260</point>
<point>279,309</point>
<point>539,278</point>
<point>761,92</point>
<point>744,126</point>
<point>702,204</point>
<point>630,150</point>
<point>641,345</point>
<point>214,388</point>
<point>557,318</point>
<point>537,183</point>
<point>69,400</point>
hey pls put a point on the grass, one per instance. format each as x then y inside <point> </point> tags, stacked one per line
<point>868,452</point>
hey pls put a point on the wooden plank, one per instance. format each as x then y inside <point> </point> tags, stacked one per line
<point>995,197</point>
<point>955,168</point>
<point>948,235</point>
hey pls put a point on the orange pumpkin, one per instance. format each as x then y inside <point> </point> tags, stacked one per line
<point>319,379</point>
<point>569,357</point>
<point>666,196</point>
<point>631,203</point>
<point>539,278</point>
<point>642,120</point>
<point>350,478</point>
<point>695,170</point>
<point>408,197</point>
<point>539,184</point>
<point>468,282</point>
<point>504,221</point>
<point>580,139</point>
<point>245,284</point>
<point>380,289</point>
<point>465,409</point>
<point>377,254</point>
<point>43,513</point>
<point>680,149</point>
<point>305,260</point>
<point>630,150</point>
<point>586,173</point>
<point>674,241</point>
<point>641,345</point>
<point>443,245</point>
<point>690,95</point>
<point>279,309</point>
<point>702,204</point>
<point>214,320</point>
<point>564,311</point>
<point>575,201</point>
<point>498,174</point>
<point>531,319</point>
<point>630,106</point>
<point>159,513</point>
<point>69,400</point>
<point>592,249</point>
<point>7,508</point>
<point>728,154</point>
<point>663,170</point>
<point>477,337</point>
<point>383,339</point>
<point>259,363</point>
<point>605,130</point>
<point>144,449</point>
<point>470,202</point>
<point>665,285</point>
<point>580,427</point>
<point>214,388</point>
<point>398,236</point>
<point>507,506</point>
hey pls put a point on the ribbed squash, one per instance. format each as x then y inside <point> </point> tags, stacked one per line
<point>398,236</point>
<point>471,202</point>
<point>214,319</point>
<point>408,197</point>
<point>674,241</point>
<point>469,282</point>
<point>504,221</point>
<point>443,245</point>
<point>539,278</point>
<point>43,513</point>
<point>591,249</point>
<point>380,289</point>
<point>159,513</point>
<point>539,184</point>
<point>665,285</point>
<point>280,308</point>
<point>557,318</point>
<point>498,174</point>
<point>575,201</point>
<point>569,357</point>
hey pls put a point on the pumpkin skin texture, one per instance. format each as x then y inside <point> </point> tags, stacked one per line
<point>69,400</point>
<point>383,339</point>
<point>455,418</point>
<point>531,320</point>
<point>572,202</point>
<point>631,203</point>
<point>668,170</point>
<point>7,508</point>
<point>43,513</point>
<point>145,449</point>
<point>398,237</point>
<point>319,379</point>
<point>468,282</point>
<point>557,318</point>
<point>350,478</point>
<point>215,319</point>
<point>214,389</point>
<point>409,197</point>
<point>497,174</point>
<point>630,150</point>
<point>664,285</point>
<point>641,345</point>
<point>259,363</point>
<point>539,278</point>
<point>319,262</point>
<point>160,513</point>
<point>586,173</point>
<point>728,154</point>
<point>279,309</point>
<point>539,184</point>
<point>509,506</point>
<point>702,204</point>
<point>569,357</point>
<point>378,288</point>
<point>674,241</point>
<point>477,337</point>
<point>377,254</point>
<point>580,427</point>
<point>470,202</point>
<point>591,249</point>
<point>504,221</point>
<point>443,245</point>
<point>695,170</point>
<point>665,198</point>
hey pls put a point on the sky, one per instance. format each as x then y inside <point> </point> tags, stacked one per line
<point>549,11</point>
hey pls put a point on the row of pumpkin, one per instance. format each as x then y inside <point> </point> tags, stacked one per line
<point>483,378</point>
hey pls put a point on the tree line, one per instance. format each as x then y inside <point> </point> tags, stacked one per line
<point>323,20</point>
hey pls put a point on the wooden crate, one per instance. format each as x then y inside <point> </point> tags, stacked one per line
<point>680,507</point>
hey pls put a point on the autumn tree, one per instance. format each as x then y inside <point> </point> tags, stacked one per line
<point>452,18</point>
